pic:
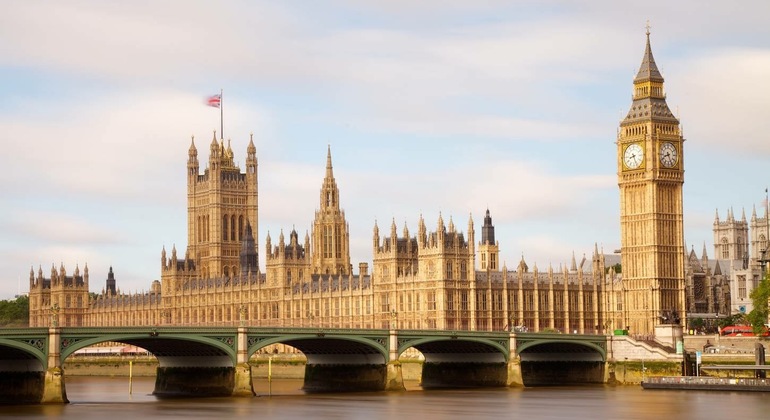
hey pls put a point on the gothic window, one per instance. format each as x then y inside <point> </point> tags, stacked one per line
<point>492,262</point>
<point>227,271</point>
<point>483,261</point>
<point>232,228</point>
<point>742,287</point>
<point>739,249</point>
<point>463,270</point>
<point>240,228</point>
<point>762,243</point>
<point>224,227</point>
<point>338,242</point>
<point>449,270</point>
<point>288,275</point>
<point>725,249</point>
<point>327,241</point>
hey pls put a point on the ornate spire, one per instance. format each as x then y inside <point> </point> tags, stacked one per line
<point>329,191</point>
<point>251,148</point>
<point>648,70</point>
<point>649,99</point>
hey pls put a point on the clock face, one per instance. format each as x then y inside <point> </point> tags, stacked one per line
<point>633,156</point>
<point>668,155</point>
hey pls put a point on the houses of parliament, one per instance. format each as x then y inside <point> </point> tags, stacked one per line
<point>438,276</point>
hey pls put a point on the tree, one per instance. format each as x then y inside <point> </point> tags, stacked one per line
<point>14,313</point>
<point>759,297</point>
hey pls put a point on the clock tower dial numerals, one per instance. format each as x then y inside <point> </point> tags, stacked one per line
<point>633,156</point>
<point>668,155</point>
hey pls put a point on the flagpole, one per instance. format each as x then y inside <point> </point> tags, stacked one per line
<point>221,115</point>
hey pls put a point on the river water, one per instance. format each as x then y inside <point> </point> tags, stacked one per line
<point>108,398</point>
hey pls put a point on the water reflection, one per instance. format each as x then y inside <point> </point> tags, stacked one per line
<point>100,398</point>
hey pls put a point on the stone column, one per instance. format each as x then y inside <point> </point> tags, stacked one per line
<point>243,386</point>
<point>394,378</point>
<point>514,378</point>
<point>54,391</point>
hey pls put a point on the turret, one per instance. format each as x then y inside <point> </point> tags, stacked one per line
<point>375,237</point>
<point>192,162</point>
<point>248,256</point>
<point>111,287</point>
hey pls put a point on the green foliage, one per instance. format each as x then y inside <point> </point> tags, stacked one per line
<point>734,319</point>
<point>617,268</point>
<point>14,313</point>
<point>696,323</point>
<point>759,296</point>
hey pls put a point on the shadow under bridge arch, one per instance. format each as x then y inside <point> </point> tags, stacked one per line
<point>189,364</point>
<point>460,362</point>
<point>336,362</point>
<point>561,362</point>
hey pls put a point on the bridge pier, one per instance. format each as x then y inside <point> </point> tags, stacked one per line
<point>514,379</point>
<point>54,391</point>
<point>394,377</point>
<point>243,385</point>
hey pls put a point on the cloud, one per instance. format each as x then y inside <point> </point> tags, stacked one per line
<point>723,97</point>
<point>58,228</point>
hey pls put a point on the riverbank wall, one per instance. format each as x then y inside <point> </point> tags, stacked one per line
<point>280,367</point>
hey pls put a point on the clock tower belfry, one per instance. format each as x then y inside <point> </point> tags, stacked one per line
<point>650,178</point>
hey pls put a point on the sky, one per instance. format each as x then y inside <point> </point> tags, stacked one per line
<point>430,108</point>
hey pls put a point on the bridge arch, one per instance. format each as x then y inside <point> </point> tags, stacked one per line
<point>440,349</point>
<point>13,352</point>
<point>327,348</point>
<point>164,347</point>
<point>589,350</point>
<point>555,359</point>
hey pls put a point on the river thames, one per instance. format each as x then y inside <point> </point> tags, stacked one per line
<point>108,398</point>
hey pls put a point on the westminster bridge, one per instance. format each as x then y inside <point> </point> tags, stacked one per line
<point>213,361</point>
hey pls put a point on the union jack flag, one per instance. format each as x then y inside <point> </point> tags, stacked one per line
<point>214,100</point>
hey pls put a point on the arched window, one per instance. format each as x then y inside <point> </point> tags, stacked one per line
<point>240,228</point>
<point>725,249</point>
<point>232,228</point>
<point>227,271</point>
<point>224,227</point>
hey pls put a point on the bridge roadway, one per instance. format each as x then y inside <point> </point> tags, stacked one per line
<point>213,361</point>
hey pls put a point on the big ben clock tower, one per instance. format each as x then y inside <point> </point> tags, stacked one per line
<point>650,177</point>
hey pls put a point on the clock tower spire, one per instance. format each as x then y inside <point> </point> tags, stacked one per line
<point>650,178</point>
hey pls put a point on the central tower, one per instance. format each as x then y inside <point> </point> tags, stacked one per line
<point>331,252</point>
<point>221,209</point>
<point>650,163</point>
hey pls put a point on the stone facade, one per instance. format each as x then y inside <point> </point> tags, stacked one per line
<point>650,163</point>
<point>425,281</point>
<point>741,247</point>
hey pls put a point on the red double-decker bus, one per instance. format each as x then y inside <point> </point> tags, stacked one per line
<point>741,331</point>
